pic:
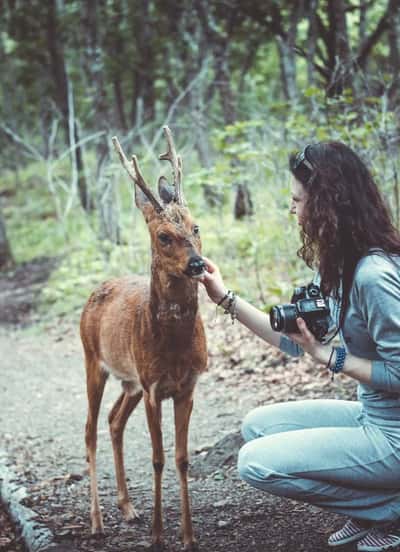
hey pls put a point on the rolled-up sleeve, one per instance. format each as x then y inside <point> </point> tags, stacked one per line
<point>379,295</point>
<point>289,347</point>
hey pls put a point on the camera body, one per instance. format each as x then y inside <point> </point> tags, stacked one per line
<point>308,303</point>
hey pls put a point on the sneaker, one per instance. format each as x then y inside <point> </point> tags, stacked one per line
<point>351,531</point>
<point>377,541</point>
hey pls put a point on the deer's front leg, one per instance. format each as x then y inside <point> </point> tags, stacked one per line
<point>153,412</point>
<point>183,409</point>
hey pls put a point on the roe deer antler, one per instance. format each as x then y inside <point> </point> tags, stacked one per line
<point>176,162</point>
<point>134,172</point>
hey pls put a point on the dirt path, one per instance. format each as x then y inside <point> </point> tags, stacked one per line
<point>42,416</point>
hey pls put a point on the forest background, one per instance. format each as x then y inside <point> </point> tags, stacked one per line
<point>240,83</point>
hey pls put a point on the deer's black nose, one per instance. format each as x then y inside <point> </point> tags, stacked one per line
<point>196,266</point>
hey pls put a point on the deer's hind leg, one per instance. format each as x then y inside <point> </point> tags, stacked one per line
<point>117,419</point>
<point>95,382</point>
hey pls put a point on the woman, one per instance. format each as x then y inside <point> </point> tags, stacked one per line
<point>343,456</point>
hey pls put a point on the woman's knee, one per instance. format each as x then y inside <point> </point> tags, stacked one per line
<point>252,465</point>
<point>268,420</point>
<point>267,475</point>
<point>245,463</point>
<point>249,431</point>
<point>255,423</point>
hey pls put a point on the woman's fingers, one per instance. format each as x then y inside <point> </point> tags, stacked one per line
<point>305,338</point>
<point>305,332</point>
<point>205,277</point>
<point>211,267</point>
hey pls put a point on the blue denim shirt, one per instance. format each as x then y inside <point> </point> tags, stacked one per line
<point>371,330</point>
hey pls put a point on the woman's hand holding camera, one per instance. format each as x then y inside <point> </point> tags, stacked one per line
<point>309,343</point>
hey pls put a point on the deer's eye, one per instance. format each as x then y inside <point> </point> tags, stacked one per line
<point>165,239</point>
<point>196,230</point>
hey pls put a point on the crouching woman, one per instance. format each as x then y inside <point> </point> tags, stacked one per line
<point>343,456</point>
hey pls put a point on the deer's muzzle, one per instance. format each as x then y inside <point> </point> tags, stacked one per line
<point>196,267</point>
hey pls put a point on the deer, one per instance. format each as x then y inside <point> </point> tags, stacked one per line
<point>148,333</point>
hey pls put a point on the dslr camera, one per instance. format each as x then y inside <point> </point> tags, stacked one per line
<point>308,303</point>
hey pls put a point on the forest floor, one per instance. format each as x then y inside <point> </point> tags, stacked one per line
<point>42,418</point>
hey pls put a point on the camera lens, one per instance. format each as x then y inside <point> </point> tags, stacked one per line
<point>276,318</point>
<point>283,318</point>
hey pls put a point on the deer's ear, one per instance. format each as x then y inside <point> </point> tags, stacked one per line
<point>143,204</point>
<point>165,190</point>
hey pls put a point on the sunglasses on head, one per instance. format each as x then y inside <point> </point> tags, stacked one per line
<point>301,158</point>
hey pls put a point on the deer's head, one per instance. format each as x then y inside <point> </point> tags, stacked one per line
<point>175,237</point>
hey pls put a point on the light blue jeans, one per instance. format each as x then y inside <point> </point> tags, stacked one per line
<point>322,452</point>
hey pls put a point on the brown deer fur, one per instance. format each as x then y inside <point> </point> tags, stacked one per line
<point>148,334</point>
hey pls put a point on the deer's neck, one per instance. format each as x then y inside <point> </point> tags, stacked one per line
<point>173,301</point>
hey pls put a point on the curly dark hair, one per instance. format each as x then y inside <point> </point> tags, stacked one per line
<point>345,215</point>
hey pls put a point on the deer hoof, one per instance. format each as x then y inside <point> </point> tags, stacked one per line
<point>191,546</point>
<point>129,513</point>
<point>157,546</point>
<point>97,525</point>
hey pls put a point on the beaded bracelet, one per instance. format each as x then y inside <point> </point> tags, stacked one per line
<point>328,366</point>
<point>223,299</point>
<point>339,361</point>
<point>230,308</point>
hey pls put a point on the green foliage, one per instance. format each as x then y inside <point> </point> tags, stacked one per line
<point>257,255</point>
<point>159,63</point>
<point>81,271</point>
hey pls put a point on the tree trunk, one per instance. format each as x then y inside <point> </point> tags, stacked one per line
<point>288,70</point>
<point>311,41</point>
<point>199,114</point>
<point>362,25</point>
<point>219,41</point>
<point>339,65</point>
<point>105,191</point>
<point>243,202</point>
<point>223,83</point>
<point>59,76</point>
<point>6,258</point>
<point>119,102</point>
<point>117,53</point>
<point>286,40</point>
<point>243,205</point>
<point>144,65</point>
<point>109,227</point>
<point>253,45</point>
<point>342,70</point>
<point>95,73</point>
<point>394,53</point>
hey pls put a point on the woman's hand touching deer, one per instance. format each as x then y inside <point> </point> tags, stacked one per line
<point>252,318</point>
<point>213,281</point>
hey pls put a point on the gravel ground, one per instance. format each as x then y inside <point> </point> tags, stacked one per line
<point>42,417</point>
